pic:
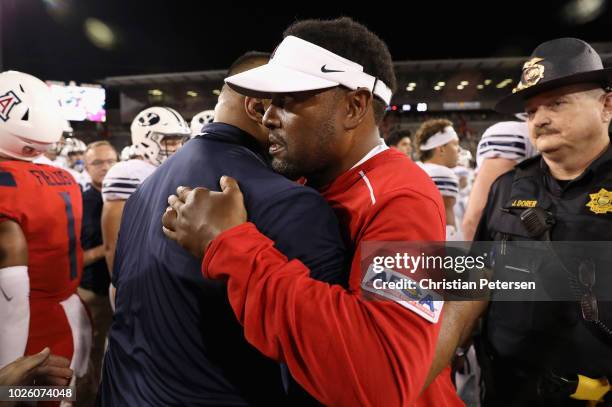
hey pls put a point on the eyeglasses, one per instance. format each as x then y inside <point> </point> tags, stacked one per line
<point>99,163</point>
<point>588,302</point>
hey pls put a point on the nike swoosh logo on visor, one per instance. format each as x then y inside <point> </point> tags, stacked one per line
<point>325,70</point>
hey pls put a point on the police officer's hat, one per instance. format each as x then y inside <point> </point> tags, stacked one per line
<point>556,63</point>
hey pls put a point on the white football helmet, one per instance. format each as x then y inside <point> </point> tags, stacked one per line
<point>68,130</point>
<point>199,120</point>
<point>59,146</point>
<point>73,145</point>
<point>30,116</point>
<point>149,129</point>
<point>127,153</point>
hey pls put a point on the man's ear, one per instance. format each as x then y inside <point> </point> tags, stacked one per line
<point>358,103</point>
<point>255,108</point>
<point>607,107</point>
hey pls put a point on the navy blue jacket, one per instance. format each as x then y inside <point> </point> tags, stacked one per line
<point>174,338</point>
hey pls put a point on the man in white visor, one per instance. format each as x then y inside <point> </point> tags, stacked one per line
<point>329,83</point>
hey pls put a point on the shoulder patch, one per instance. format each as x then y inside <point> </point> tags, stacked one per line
<point>405,291</point>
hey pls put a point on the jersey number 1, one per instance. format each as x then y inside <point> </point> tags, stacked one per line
<point>72,241</point>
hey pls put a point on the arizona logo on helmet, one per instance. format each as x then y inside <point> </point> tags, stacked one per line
<point>7,102</point>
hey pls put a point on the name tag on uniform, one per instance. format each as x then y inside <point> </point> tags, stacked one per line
<point>524,203</point>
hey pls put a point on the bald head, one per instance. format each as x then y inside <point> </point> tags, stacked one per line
<point>238,110</point>
<point>248,60</point>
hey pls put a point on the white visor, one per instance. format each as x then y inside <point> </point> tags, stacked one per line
<point>439,139</point>
<point>298,66</point>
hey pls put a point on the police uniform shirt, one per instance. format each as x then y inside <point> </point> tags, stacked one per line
<point>582,201</point>
<point>532,337</point>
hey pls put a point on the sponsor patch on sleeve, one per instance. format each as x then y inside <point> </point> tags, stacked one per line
<point>405,291</point>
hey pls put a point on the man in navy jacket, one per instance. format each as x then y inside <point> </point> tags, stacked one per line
<point>174,338</point>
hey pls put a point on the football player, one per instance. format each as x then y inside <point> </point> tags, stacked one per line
<point>438,150</point>
<point>40,221</point>
<point>201,119</point>
<point>157,133</point>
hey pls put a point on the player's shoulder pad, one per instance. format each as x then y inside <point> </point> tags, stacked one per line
<point>440,171</point>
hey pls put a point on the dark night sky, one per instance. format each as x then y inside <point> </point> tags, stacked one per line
<point>157,36</point>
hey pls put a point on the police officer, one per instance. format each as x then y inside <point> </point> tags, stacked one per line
<point>533,352</point>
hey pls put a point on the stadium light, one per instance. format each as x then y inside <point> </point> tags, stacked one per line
<point>99,33</point>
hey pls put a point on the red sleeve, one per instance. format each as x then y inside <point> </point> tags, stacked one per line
<point>342,349</point>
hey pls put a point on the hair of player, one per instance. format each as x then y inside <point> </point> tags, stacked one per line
<point>427,130</point>
<point>396,136</point>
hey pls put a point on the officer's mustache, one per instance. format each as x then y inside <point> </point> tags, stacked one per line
<point>545,131</point>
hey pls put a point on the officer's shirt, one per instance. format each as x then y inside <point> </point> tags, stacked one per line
<point>552,335</point>
<point>586,200</point>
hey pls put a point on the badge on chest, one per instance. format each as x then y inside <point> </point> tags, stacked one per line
<point>601,202</point>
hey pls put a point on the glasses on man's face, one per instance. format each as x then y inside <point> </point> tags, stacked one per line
<point>588,302</point>
<point>99,163</point>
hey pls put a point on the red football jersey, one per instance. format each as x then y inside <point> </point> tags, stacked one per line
<point>343,349</point>
<point>46,202</point>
